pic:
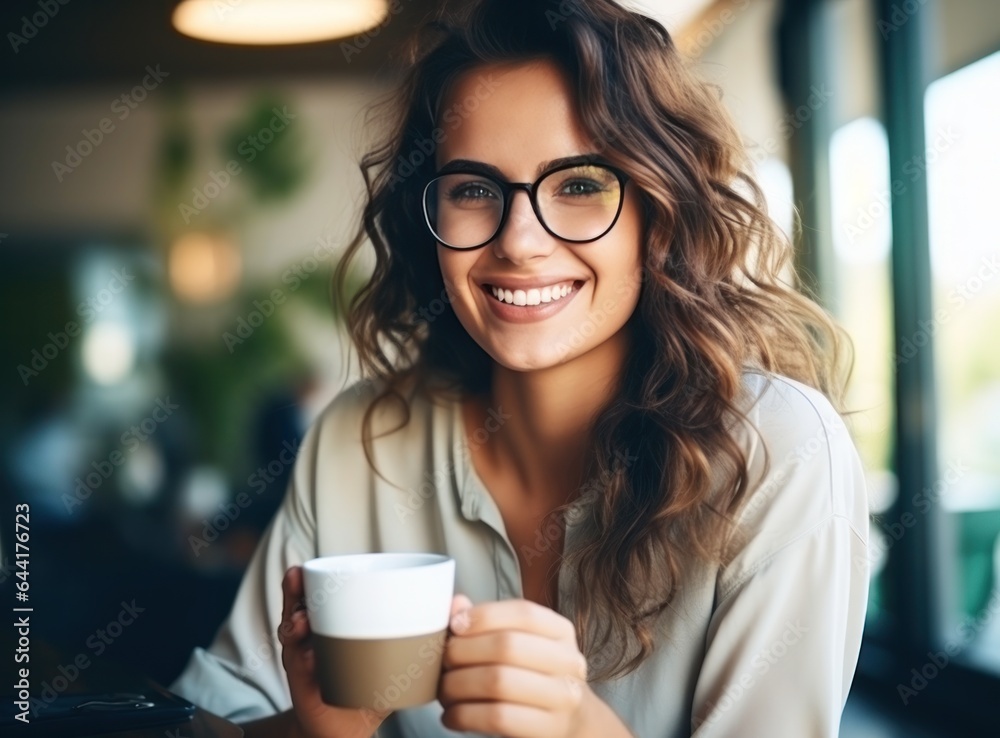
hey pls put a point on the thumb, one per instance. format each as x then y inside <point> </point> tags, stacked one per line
<point>460,602</point>
<point>458,621</point>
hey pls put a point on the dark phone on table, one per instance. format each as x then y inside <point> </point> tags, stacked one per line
<point>86,714</point>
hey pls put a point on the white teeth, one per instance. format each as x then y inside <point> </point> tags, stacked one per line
<point>533,296</point>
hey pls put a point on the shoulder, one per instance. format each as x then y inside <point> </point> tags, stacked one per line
<point>784,409</point>
<point>386,411</point>
<point>398,423</point>
<point>805,474</point>
<point>339,480</point>
<point>795,428</point>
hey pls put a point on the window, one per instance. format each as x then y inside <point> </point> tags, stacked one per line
<point>962,113</point>
<point>862,302</point>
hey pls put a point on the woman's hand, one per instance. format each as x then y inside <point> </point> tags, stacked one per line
<point>514,668</point>
<point>314,718</point>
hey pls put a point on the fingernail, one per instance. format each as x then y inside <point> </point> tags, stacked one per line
<point>460,622</point>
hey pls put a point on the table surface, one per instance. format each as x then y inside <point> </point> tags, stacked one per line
<point>104,676</point>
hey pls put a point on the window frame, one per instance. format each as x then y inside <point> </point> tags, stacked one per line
<point>893,645</point>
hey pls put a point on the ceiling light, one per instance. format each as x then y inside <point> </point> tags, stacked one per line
<point>267,22</point>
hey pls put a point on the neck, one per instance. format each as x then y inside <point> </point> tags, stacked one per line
<point>544,438</point>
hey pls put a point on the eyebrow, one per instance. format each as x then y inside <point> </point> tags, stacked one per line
<point>491,170</point>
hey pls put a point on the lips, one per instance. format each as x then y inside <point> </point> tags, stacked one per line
<point>529,296</point>
<point>515,305</point>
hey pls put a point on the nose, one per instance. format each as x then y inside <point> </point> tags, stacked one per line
<point>522,237</point>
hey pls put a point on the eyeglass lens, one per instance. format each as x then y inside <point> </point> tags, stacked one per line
<point>577,204</point>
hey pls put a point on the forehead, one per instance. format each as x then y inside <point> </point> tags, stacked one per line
<point>513,116</point>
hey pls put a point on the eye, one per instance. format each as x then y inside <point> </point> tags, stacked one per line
<point>471,191</point>
<point>579,187</point>
<point>581,183</point>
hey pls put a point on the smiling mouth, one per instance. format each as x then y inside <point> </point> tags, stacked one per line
<point>533,296</point>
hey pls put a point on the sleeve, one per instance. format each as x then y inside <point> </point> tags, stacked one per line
<point>240,676</point>
<point>783,640</point>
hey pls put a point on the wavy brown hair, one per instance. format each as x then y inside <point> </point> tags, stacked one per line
<point>669,474</point>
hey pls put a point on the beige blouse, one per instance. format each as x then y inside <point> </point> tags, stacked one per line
<point>764,646</point>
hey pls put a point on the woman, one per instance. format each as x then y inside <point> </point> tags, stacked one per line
<point>589,384</point>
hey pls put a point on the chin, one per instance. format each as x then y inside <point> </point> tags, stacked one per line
<point>530,360</point>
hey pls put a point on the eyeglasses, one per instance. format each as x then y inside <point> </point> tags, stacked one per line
<point>579,203</point>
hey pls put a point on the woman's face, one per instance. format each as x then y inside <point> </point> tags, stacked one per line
<point>525,121</point>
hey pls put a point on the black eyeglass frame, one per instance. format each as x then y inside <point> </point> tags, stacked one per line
<point>507,189</point>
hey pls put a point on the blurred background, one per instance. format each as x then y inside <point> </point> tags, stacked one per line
<point>171,210</point>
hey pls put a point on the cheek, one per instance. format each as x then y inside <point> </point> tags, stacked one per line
<point>625,286</point>
<point>629,248</point>
<point>455,267</point>
<point>451,267</point>
<point>630,230</point>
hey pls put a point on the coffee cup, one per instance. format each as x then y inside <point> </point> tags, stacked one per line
<point>379,622</point>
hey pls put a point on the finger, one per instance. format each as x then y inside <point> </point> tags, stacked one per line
<point>297,654</point>
<point>523,615</point>
<point>508,684</point>
<point>292,591</point>
<point>460,602</point>
<point>515,648</point>
<point>294,625</point>
<point>499,718</point>
<point>295,630</point>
